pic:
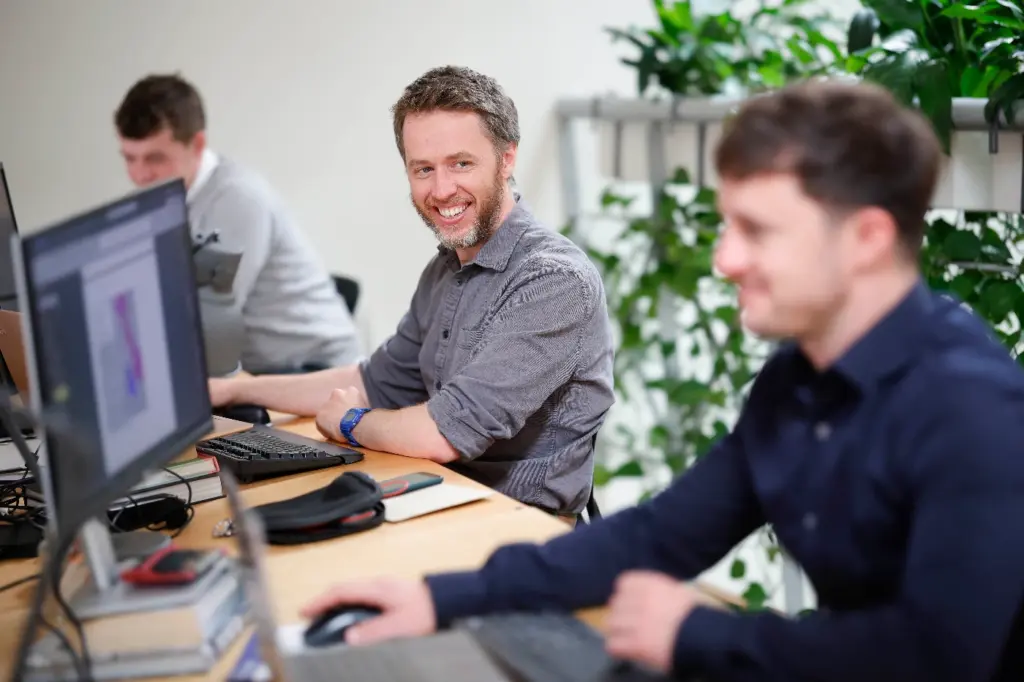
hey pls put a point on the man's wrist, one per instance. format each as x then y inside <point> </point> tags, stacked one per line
<point>457,595</point>
<point>702,635</point>
<point>349,422</point>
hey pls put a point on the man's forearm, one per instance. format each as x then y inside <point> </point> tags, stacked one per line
<point>409,431</point>
<point>300,394</point>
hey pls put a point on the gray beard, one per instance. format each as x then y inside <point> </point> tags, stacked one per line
<point>480,231</point>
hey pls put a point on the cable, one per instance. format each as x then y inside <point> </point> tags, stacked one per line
<point>51,567</point>
<point>19,581</point>
<point>50,575</point>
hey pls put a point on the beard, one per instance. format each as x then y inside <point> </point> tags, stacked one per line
<point>488,210</point>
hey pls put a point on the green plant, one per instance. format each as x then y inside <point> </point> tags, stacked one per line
<point>977,256</point>
<point>930,51</point>
<point>667,257</point>
<point>723,53</point>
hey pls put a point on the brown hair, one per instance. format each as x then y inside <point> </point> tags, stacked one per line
<point>456,88</point>
<point>160,101</point>
<point>851,145</point>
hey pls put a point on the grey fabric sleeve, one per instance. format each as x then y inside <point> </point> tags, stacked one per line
<point>245,224</point>
<point>529,348</point>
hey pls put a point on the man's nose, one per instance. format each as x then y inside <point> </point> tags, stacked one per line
<point>444,185</point>
<point>730,257</point>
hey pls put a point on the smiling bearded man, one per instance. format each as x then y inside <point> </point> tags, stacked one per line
<point>502,367</point>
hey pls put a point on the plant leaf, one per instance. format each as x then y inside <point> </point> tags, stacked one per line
<point>755,597</point>
<point>1004,98</point>
<point>931,82</point>
<point>998,299</point>
<point>962,245</point>
<point>862,30</point>
<point>630,469</point>
<point>898,14</point>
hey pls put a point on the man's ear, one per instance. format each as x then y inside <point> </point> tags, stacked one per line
<point>198,143</point>
<point>508,161</point>
<point>877,236</point>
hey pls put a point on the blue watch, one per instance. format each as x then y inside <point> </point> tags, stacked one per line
<point>349,422</point>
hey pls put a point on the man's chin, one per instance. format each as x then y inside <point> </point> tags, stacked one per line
<point>461,240</point>
<point>760,324</point>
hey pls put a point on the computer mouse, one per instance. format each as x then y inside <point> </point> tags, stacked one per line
<point>330,626</point>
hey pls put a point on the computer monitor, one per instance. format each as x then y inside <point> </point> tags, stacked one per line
<point>114,350</point>
<point>8,227</point>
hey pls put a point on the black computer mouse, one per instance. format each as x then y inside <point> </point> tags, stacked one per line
<point>330,626</point>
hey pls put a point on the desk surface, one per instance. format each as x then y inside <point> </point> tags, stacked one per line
<point>458,538</point>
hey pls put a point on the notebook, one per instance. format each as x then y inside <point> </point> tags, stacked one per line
<point>432,499</point>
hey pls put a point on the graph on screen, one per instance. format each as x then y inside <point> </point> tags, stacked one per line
<point>124,370</point>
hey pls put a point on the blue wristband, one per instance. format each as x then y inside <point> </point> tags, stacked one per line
<point>349,423</point>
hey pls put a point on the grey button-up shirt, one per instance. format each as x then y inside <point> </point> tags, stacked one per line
<point>513,355</point>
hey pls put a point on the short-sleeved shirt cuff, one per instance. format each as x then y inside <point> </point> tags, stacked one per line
<point>467,440</point>
<point>457,595</point>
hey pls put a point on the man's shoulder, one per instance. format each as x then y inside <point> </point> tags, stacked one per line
<point>233,182</point>
<point>960,349</point>
<point>543,251</point>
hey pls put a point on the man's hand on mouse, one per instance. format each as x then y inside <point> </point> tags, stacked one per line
<point>407,609</point>
<point>644,615</point>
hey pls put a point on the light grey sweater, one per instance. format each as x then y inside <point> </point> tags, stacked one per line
<point>287,301</point>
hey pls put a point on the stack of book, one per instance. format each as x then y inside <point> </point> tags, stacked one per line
<point>196,479</point>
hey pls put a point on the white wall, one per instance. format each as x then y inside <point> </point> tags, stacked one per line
<point>301,91</point>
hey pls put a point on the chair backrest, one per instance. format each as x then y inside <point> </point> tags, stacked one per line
<point>593,512</point>
<point>348,289</point>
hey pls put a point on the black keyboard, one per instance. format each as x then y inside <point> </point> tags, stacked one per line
<point>551,647</point>
<point>266,452</point>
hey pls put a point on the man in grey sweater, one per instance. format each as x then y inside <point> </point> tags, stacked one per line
<point>287,312</point>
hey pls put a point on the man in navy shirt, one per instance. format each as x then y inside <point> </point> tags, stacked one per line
<point>883,441</point>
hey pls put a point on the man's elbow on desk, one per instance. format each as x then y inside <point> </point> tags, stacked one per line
<point>410,432</point>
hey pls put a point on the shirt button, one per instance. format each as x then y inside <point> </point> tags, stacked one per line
<point>437,385</point>
<point>458,282</point>
<point>444,334</point>
<point>810,522</point>
<point>822,430</point>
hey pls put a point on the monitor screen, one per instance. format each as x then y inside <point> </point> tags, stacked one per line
<point>8,292</point>
<point>116,346</point>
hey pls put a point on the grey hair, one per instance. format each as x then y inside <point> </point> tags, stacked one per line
<point>457,88</point>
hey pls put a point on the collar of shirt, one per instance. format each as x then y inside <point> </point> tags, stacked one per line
<point>887,348</point>
<point>496,253</point>
<point>207,164</point>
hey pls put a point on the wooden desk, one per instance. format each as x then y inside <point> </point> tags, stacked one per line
<point>459,538</point>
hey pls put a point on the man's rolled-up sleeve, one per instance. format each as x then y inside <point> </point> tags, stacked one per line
<point>530,348</point>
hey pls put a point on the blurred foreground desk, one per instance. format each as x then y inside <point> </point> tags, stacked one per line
<point>458,538</point>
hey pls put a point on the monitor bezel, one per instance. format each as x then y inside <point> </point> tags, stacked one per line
<point>156,456</point>
<point>7,197</point>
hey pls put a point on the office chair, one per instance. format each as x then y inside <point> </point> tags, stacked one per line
<point>593,512</point>
<point>348,289</point>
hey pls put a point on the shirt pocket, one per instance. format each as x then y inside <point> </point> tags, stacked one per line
<point>470,337</point>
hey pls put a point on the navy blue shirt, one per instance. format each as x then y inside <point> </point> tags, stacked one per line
<point>895,478</point>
